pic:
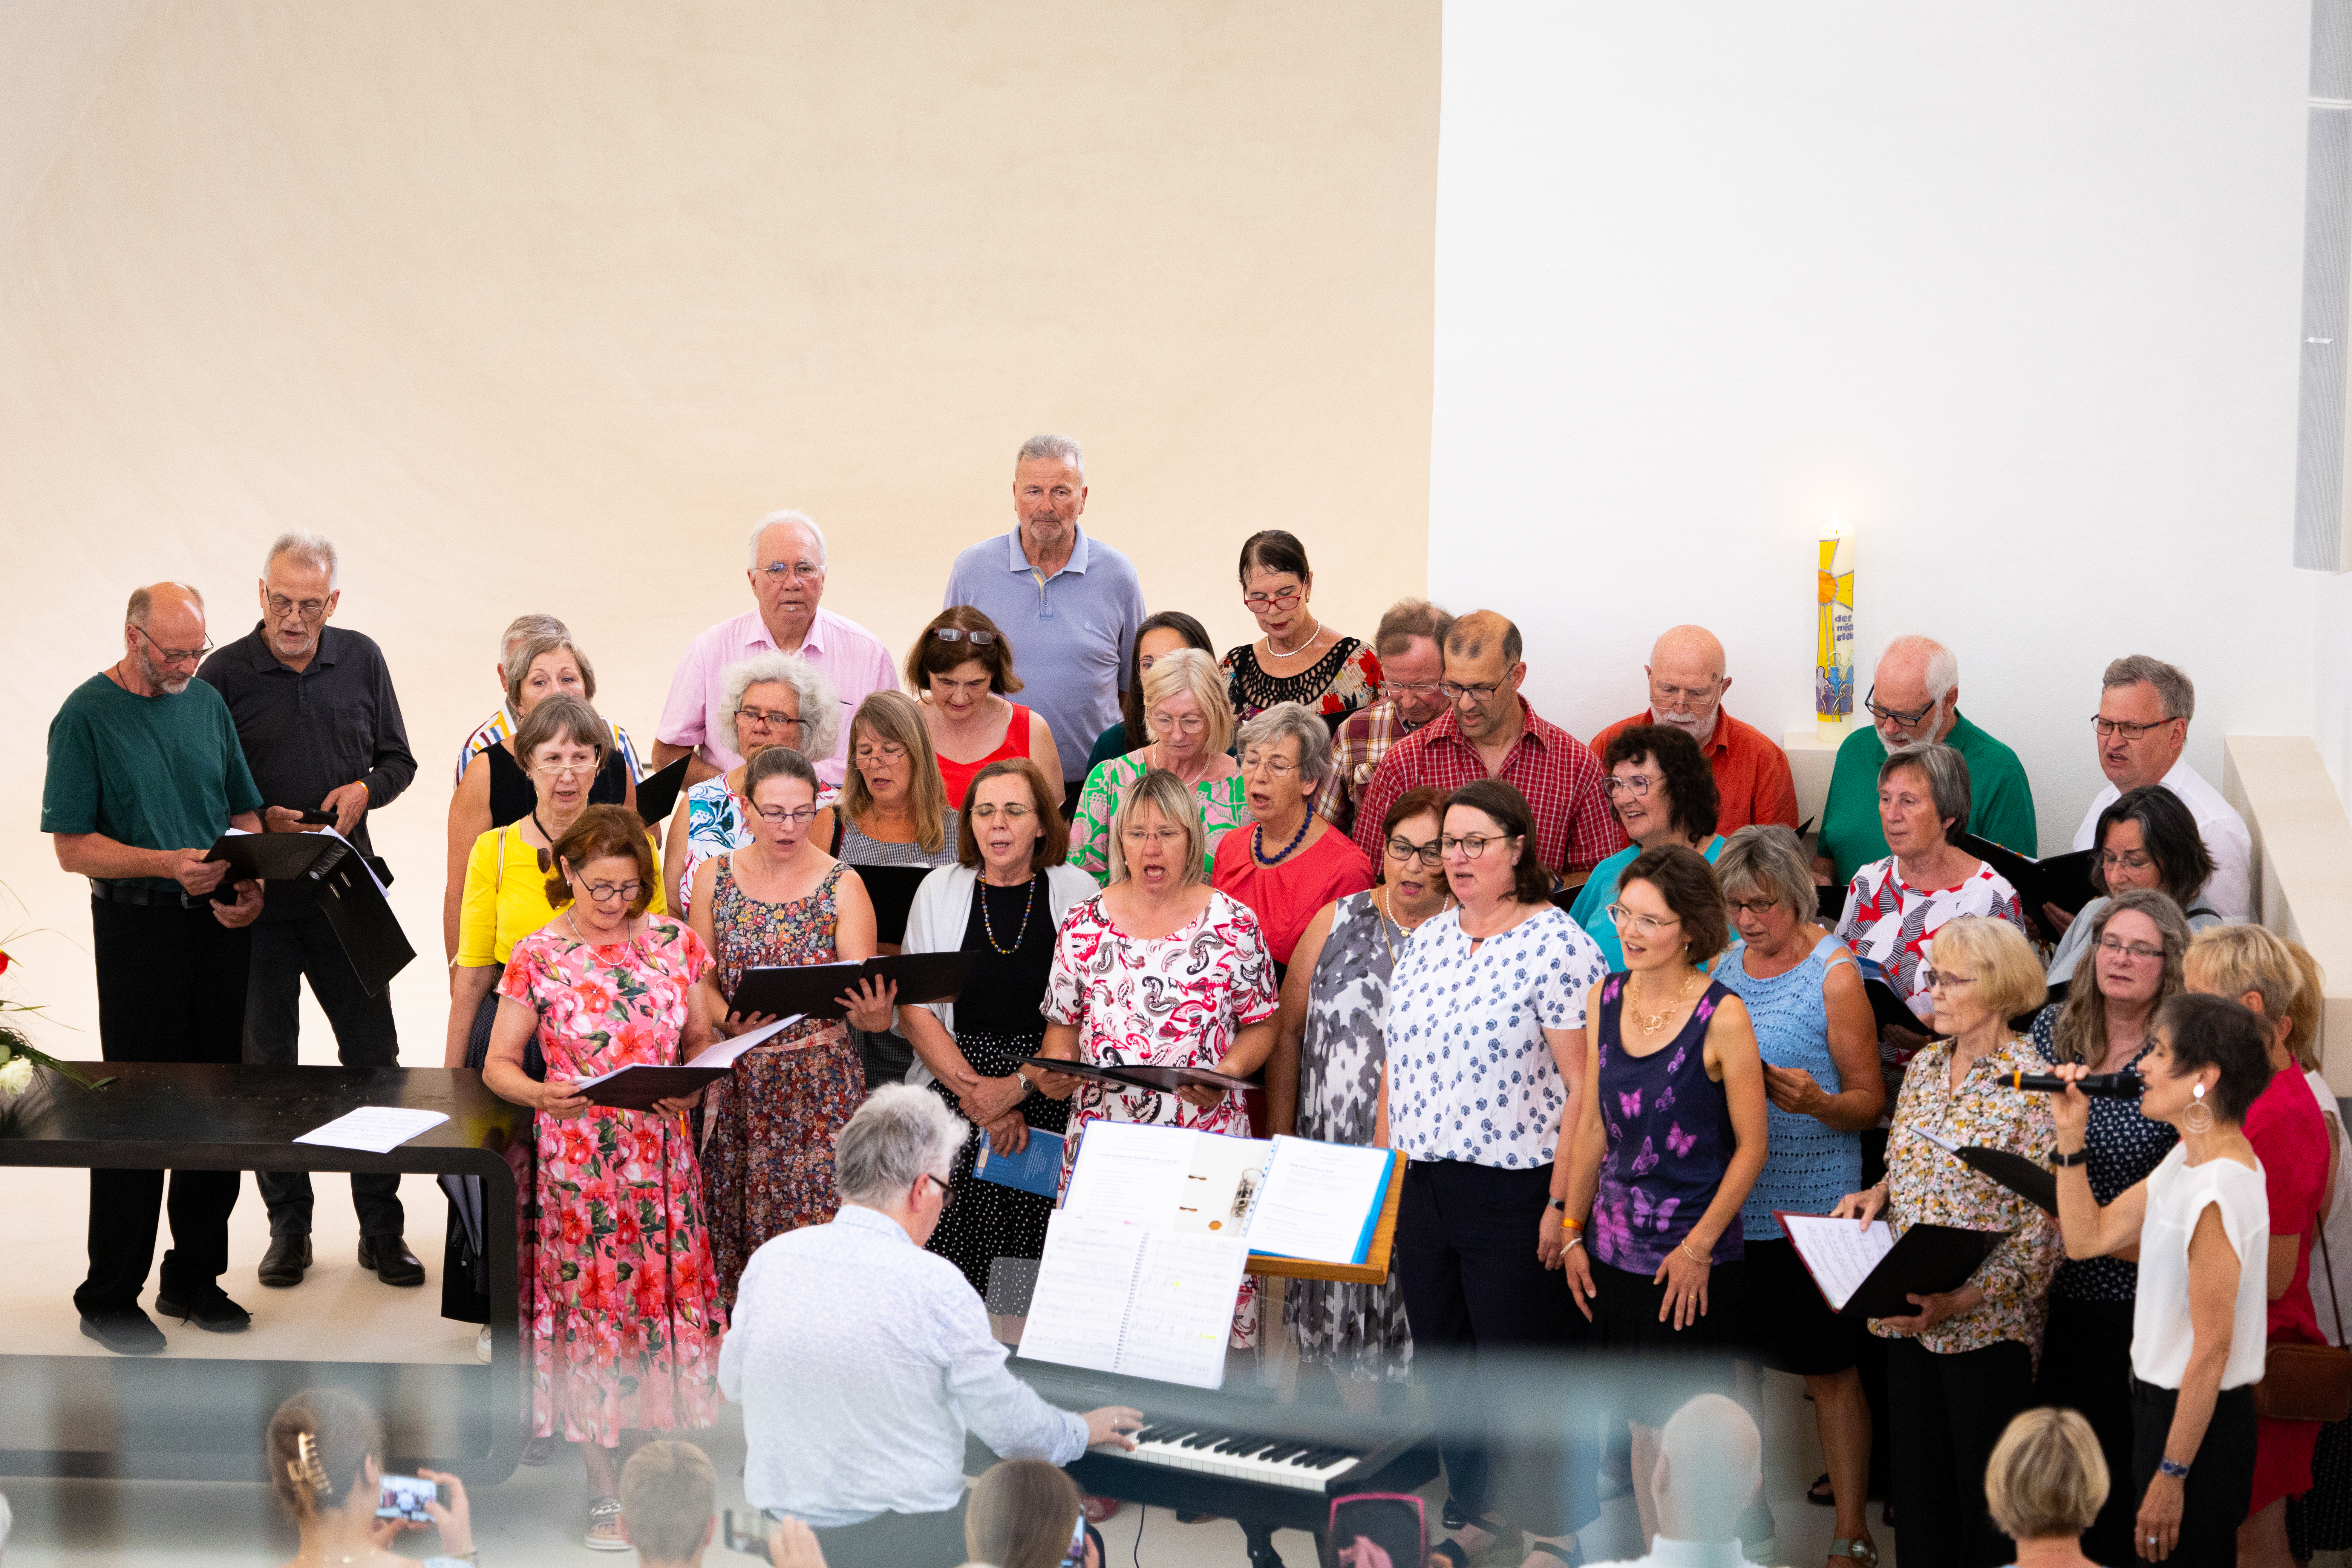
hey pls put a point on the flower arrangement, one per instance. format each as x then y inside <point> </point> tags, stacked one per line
<point>18,1058</point>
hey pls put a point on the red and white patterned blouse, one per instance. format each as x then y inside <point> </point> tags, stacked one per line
<point>1890,924</point>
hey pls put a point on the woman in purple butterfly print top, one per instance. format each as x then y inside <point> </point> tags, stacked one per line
<point>1666,1146</point>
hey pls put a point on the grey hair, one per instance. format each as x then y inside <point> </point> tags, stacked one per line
<point>1295,721</point>
<point>525,628</point>
<point>818,704</point>
<point>143,603</point>
<point>796,519</point>
<point>1948,780</point>
<point>1164,791</point>
<point>2173,687</point>
<point>1053,449</point>
<point>308,548</point>
<point>1765,858</point>
<point>902,1134</point>
<point>1943,664</point>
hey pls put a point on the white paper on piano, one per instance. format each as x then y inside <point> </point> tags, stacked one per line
<point>1839,1253</point>
<point>1316,1197</point>
<point>1116,1296</point>
<point>378,1129</point>
<point>721,1055</point>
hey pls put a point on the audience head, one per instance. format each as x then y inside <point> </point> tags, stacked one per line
<point>298,592</point>
<point>1710,1464</point>
<point>1984,968</point>
<point>2047,1478</point>
<point>544,667</point>
<point>892,763</point>
<point>1276,584</point>
<point>1161,634</point>
<point>1157,839</point>
<point>787,572</point>
<point>1488,847</point>
<point>325,1454</point>
<point>606,862</point>
<point>1923,799</point>
<point>1668,908</point>
<point>2278,979</point>
<point>779,699</point>
<point>960,658</point>
<point>2145,706</point>
<point>1686,680</point>
<point>1186,707</point>
<point>2215,1045</point>
<point>2146,839</point>
<point>1768,884</point>
<point>780,790</point>
<point>2139,942</point>
<point>1011,819</point>
<point>561,745</point>
<point>1410,643</point>
<point>1915,692</point>
<point>164,635</point>
<point>1049,492</point>
<point>1661,786</point>
<point>523,629</point>
<point>1483,672</point>
<point>896,1153</point>
<point>669,1501</point>
<point>1023,1513</point>
<point>1412,866</point>
<point>1286,757</point>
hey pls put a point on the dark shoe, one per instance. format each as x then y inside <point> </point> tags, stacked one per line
<point>127,1332</point>
<point>282,1265</point>
<point>389,1257</point>
<point>209,1308</point>
<point>1821,1494</point>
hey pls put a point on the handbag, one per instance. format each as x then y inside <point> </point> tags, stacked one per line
<point>2308,1382</point>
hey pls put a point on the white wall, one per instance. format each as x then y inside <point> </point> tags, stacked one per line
<point>2013,287</point>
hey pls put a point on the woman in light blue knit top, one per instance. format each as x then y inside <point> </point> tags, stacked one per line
<point>1820,1045</point>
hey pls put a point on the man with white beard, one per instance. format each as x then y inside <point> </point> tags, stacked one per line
<point>1686,688</point>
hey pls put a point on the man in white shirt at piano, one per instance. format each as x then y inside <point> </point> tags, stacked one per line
<point>861,1359</point>
<point>1710,1463</point>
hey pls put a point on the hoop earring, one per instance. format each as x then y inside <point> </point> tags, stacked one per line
<point>2199,1117</point>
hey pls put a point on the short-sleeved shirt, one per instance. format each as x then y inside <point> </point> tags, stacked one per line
<point>1364,737</point>
<point>2000,800</point>
<point>1471,1077</point>
<point>154,772</point>
<point>1752,780</point>
<point>1286,897</point>
<point>1072,634</point>
<point>501,726</point>
<point>1563,784</point>
<point>848,655</point>
<point>506,897</point>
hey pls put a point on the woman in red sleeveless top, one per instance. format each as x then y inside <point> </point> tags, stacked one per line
<point>961,667</point>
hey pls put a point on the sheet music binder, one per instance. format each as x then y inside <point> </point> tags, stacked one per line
<point>891,889</point>
<point>657,791</point>
<point>810,989</point>
<point>341,883</point>
<point>2061,880</point>
<point>1925,1260</point>
<point>1160,1080</point>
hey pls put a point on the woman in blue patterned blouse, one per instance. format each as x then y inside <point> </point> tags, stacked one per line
<point>1820,1045</point>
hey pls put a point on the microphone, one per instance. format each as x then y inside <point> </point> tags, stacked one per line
<point>2112,1085</point>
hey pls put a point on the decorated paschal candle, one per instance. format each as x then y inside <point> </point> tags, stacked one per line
<point>1833,651</point>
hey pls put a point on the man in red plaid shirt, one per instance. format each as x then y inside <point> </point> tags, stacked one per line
<point>1489,732</point>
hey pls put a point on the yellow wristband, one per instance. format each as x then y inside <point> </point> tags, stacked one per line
<point>1574,1228</point>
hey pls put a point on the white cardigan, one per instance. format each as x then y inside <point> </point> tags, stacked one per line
<point>942,908</point>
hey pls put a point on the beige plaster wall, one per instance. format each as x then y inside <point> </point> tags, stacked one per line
<point>538,305</point>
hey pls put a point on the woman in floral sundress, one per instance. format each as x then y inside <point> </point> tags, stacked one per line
<point>619,1315</point>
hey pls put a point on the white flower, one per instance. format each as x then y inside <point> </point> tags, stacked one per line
<point>16,1077</point>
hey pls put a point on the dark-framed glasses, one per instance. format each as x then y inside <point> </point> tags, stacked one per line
<point>778,815</point>
<point>1431,854</point>
<point>176,655</point>
<point>2137,952</point>
<point>1484,693</point>
<point>605,892</point>
<point>2109,729</point>
<point>947,1192</point>
<point>957,633</point>
<point>766,719</point>
<point>1470,845</point>
<point>287,609</point>
<point>1895,715</point>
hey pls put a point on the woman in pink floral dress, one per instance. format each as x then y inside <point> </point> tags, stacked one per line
<point>619,1307</point>
<point>1161,969</point>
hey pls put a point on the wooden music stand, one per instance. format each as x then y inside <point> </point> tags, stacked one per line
<point>1372,1270</point>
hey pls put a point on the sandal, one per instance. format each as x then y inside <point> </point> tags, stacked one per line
<point>1862,1550</point>
<point>605,1526</point>
<point>1821,1494</point>
<point>1504,1544</point>
<point>1573,1557</point>
<point>537,1450</point>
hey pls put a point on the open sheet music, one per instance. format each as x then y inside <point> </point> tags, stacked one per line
<point>1116,1296</point>
<point>1291,1197</point>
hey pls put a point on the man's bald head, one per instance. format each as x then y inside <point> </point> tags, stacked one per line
<point>1710,1464</point>
<point>163,619</point>
<point>1686,680</point>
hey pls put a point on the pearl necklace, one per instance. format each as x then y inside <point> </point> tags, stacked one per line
<point>1293,651</point>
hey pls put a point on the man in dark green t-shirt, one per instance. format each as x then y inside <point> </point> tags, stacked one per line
<point>1914,699</point>
<point>144,773</point>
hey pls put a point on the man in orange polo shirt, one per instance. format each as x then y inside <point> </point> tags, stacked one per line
<point>1686,688</point>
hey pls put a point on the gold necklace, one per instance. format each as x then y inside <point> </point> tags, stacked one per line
<point>1650,1023</point>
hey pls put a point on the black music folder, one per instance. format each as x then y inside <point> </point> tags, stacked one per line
<point>1829,902</point>
<point>1927,1261</point>
<point>2020,1175</point>
<point>657,791</point>
<point>811,989</point>
<point>345,885</point>
<point>1162,1079</point>
<point>892,889</point>
<point>2061,880</point>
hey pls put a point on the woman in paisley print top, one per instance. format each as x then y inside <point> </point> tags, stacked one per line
<point>1962,1366</point>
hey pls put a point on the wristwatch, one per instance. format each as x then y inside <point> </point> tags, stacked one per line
<point>2079,1157</point>
<point>1559,1204</point>
<point>2177,1472</point>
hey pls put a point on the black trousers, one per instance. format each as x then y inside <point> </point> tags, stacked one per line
<point>170,988</point>
<point>1949,1411</point>
<point>284,952</point>
<point>2086,1368</point>
<point>897,1541</point>
<point>1465,1258</point>
<point>2220,1478</point>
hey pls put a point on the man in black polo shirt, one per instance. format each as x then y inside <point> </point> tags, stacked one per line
<point>320,727</point>
<point>144,773</point>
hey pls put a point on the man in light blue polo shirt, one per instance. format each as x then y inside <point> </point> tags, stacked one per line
<point>1070,605</point>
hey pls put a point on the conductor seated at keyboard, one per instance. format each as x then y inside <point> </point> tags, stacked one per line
<point>861,1359</point>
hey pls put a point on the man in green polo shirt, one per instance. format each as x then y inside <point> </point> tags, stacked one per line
<point>1914,697</point>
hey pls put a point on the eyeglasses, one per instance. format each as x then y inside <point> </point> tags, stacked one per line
<point>2129,860</point>
<point>947,1192</point>
<point>1281,600</point>
<point>760,718</point>
<point>1485,693</point>
<point>1631,783</point>
<point>1895,716</point>
<point>1412,688</point>
<point>777,816</point>
<point>1648,925</point>
<point>565,770</point>
<point>1190,724</point>
<point>285,608</point>
<point>176,655</point>
<point>2137,952</point>
<point>956,634</point>
<point>1431,854</point>
<point>1472,845</point>
<point>1937,980</point>
<point>1756,907</point>
<point>883,752</point>
<point>1012,811</point>
<point>1152,835</point>
<point>605,892</point>
<point>2110,728</point>
<point>1273,767</point>
<point>782,571</point>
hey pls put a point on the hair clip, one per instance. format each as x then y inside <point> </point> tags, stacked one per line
<point>304,1468</point>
